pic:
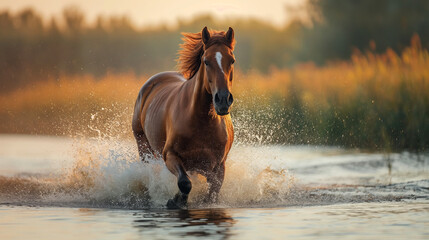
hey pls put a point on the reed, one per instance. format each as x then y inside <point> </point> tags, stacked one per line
<point>374,101</point>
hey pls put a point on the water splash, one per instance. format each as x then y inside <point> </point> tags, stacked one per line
<point>108,173</point>
<point>105,171</point>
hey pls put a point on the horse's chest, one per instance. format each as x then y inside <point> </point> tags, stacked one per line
<point>202,153</point>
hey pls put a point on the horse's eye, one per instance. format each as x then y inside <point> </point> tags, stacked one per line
<point>233,61</point>
<point>206,62</point>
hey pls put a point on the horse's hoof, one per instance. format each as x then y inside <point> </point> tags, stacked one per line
<point>209,199</point>
<point>185,185</point>
<point>171,204</point>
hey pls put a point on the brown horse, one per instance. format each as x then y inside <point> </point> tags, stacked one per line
<point>185,116</point>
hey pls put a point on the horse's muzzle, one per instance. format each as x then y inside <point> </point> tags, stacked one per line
<point>222,100</point>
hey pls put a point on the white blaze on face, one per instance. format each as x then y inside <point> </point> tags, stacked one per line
<point>219,60</point>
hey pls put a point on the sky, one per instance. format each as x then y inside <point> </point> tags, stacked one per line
<point>156,12</point>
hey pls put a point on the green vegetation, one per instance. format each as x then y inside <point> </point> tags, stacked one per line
<point>374,101</point>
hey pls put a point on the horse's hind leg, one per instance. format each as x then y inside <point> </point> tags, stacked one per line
<point>215,181</point>
<point>142,144</point>
<point>175,165</point>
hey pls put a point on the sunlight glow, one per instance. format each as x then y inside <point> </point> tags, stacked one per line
<point>150,13</point>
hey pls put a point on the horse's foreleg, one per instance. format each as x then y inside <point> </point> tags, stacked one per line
<point>175,165</point>
<point>215,181</point>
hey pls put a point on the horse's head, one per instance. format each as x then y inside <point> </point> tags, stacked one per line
<point>218,61</point>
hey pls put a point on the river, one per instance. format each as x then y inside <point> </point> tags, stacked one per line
<point>57,187</point>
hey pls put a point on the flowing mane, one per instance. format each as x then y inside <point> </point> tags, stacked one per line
<point>193,48</point>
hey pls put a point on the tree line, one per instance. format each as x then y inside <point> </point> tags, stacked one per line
<point>32,50</point>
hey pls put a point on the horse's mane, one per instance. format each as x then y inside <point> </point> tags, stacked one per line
<point>192,49</point>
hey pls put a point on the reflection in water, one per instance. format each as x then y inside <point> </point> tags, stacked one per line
<point>183,223</point>
<point>385,220</point>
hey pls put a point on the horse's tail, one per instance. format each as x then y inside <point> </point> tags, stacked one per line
<point>138,107</point>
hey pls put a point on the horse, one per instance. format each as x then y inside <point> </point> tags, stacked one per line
<point>184,116</point>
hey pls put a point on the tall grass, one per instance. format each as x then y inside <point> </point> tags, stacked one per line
<point>372,101</point>
<point>375,101</point>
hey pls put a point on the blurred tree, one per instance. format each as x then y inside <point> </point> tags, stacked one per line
<point>31,51</point>
<point>74,19</point>
<point>340,26</point>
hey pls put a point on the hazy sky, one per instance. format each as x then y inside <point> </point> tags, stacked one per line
<point>144,12</point>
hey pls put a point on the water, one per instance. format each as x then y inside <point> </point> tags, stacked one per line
<point>53,187</point>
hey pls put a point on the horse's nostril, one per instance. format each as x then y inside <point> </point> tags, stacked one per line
<point>217,99</point>
<point>230,99</point>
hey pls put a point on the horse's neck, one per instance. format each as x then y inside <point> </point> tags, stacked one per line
<point>201,100</point>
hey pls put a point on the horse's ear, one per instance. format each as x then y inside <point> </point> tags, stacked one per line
<point>230,35</point>
<point>205,35</point>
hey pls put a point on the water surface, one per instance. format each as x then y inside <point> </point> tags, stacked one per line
<point>65,188</point>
